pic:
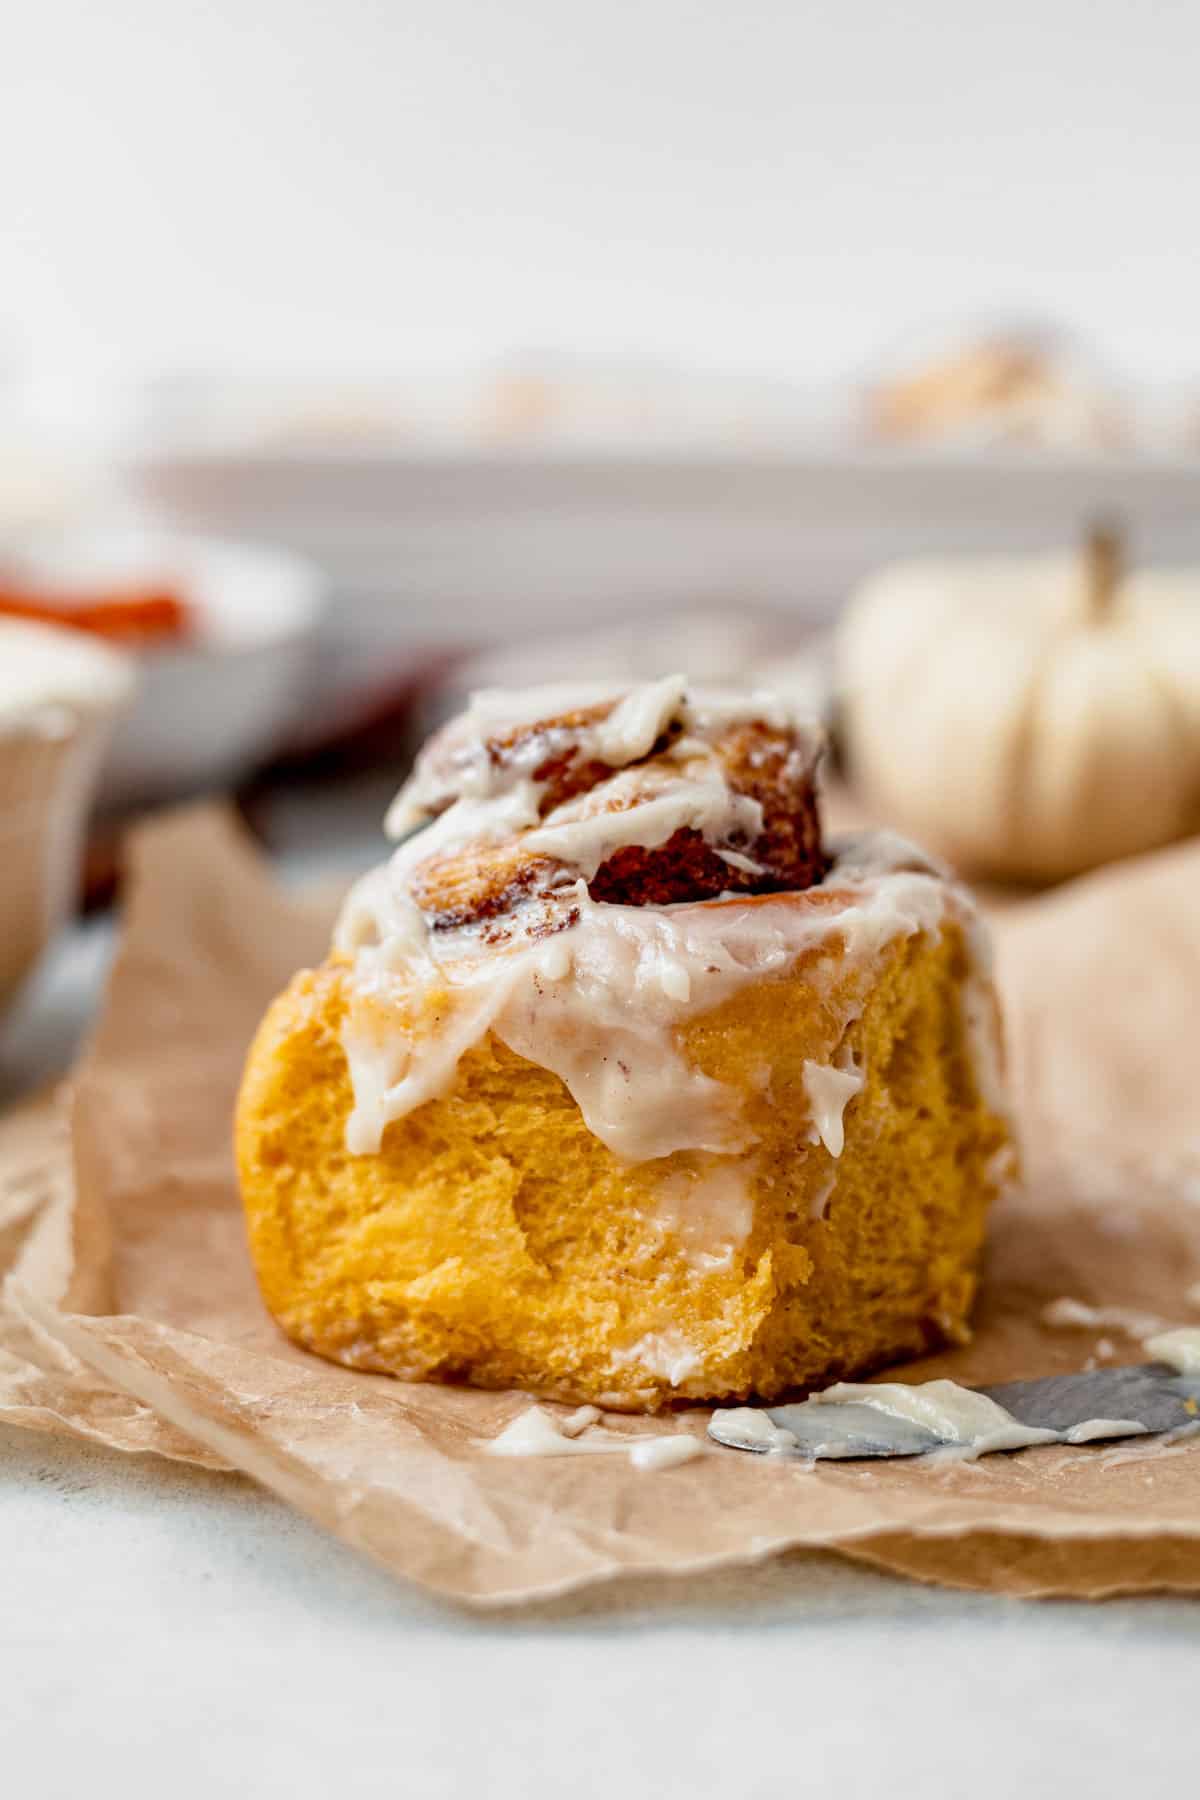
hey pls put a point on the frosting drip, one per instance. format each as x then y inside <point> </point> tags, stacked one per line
<point>595,990</point>
<point>830,1091</point>
<point>601,1002</point>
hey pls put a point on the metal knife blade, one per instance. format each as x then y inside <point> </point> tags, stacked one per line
<point>1152,1393</point>
<point>1121,1402</point>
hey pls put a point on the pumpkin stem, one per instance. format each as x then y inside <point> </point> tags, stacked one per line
<point>1103,567</point>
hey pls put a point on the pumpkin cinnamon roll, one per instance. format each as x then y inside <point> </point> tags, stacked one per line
<point>620,1084</point>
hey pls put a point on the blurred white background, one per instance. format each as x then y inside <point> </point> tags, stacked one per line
<point>350,186</point>
<point>342,193</point>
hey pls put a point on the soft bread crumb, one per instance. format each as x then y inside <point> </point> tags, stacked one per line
<point>494,1240</point>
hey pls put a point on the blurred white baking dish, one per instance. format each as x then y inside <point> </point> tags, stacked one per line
<point>436,547</point>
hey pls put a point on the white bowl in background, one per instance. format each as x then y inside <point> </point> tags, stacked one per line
<point>61,696</point>
<point>212,707</point>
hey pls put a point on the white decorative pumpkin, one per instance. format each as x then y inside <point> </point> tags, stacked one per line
<point>1029,718</point>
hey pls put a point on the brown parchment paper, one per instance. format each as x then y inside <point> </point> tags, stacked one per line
<point>130,1313</point>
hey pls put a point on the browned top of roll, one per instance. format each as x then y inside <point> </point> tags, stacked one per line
<point>650,796</point>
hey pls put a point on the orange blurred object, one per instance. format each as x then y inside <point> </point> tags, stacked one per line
<point>135,616</point>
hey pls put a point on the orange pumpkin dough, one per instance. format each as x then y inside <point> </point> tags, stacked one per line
<point>494,1239</point>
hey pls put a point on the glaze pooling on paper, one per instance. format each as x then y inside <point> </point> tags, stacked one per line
<point>534,1433</point>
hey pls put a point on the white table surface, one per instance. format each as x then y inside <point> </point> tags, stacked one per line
<point>169,1632</point>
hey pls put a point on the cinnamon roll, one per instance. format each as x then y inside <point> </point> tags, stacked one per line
<point>619,1084</point>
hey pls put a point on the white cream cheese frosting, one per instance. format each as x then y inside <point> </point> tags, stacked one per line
<point>940,1419</point>
<point>595,991</point>
<point>50,675</point>
<point>535,1433</point>
<point>830,1090</point>
<point>600,1002</point>
<point>958,1417</point>
<point>1180,1349</point>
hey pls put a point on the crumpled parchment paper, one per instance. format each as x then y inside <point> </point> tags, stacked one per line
<point>130,1314</point>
